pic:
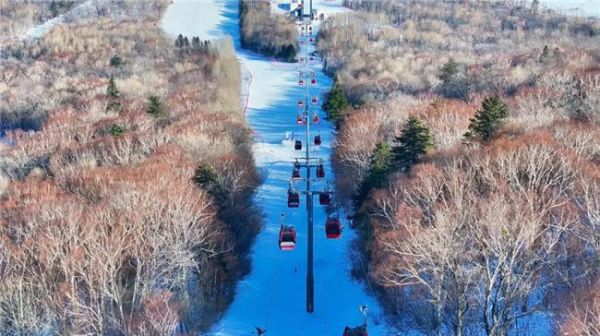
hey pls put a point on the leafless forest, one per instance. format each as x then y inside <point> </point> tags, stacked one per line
<point>125,176</point>
<point>478,236</point>
<point>17,16</point>
<point>266,32</point>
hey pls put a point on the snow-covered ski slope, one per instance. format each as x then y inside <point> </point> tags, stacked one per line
<point>272,296</point>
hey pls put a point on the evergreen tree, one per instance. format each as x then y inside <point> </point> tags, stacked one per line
<point>287,53</point>
<point>377,175</point>
<point>111,90</point>
<point>113,95</point>
<point>54,9</point>
<point>545,54</point>
<point>116,130</point>
<point>116,61</point>
<point>453,85</point>
<point>574,100</point>
<point>206,178</point>
<point>154,107</point>
<point>196,43</point>
<point>179,41</point>
<point>448,72</point>
<point>379,169</point>
<point>415,140</point>
<point>535,6</point>
<point>336,101</point>
<point>487,120</point>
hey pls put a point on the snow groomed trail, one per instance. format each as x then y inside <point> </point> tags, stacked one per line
<point>272,296</point>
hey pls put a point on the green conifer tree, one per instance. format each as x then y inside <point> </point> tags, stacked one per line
<point>415,140</point>
<point>206,178</point>
<point>487,120</point>
<point>116,130</point>
<point>54,9</point>
<point>154,106</point>
<point>379,169</point>
<point>448,72</point>
<point>453,84</point>
<point>113,94</point>
<point>116,61</point>
<point>336,101</point>
<point>112,90</point>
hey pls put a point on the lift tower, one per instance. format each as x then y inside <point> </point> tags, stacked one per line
<point>308,77</point>
<point>310,279</point>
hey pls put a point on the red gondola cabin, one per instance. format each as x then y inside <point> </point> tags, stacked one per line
<point>299,120</point>
<point>317,140</point>
<point>315,100</point>
<point>296,171</point>
<point>324,198</point>
<point>301,82</point>
<point>300,103</point>
<point>287,238</point>
<point>333,228</point>
<point>358,331</point>
<point>316,119</point>
<point>298,145</point>
<point>293,199</point>
<point>320,171</point>
<point>313,81</point>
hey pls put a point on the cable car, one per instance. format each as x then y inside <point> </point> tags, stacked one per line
<point>296,171</point>
<point>310,28</point>
<point>315,100</point>
<point>324,198</point>
<point>301,82</point>
<point>320,171</point>
<point>358,331</point>
<point>318,140</point>
<point>287,238</point>
<point>299,120</point>
<point>311,40</point>
<point>293,198</point>
<point>300,103</point>
<point>301,59</point>
<point>313,81</point>
<point>298,145</point>
<point>315,119</point>
<point>333,228</point>
<point>312,59</point>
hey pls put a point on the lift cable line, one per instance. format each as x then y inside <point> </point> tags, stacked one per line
<point>333,228</point>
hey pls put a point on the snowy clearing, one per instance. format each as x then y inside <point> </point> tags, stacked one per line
<point>272,296</point>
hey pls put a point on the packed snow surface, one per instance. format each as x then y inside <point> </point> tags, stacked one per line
<point>272,296</point>
<point>574,7</point>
